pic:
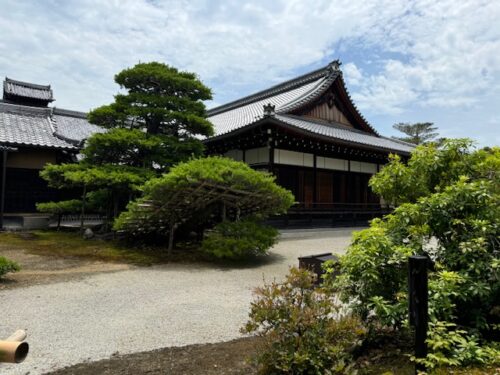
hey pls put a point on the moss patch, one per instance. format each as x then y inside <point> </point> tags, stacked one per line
<point>71,244</point>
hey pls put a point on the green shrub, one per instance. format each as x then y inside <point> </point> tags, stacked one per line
<point>212,186</point>
<point>302,329</point>
<point>7,266</point>
<point>239,239</point>
<point>455,221</point>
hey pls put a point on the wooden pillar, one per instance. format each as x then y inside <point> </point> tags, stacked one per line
<point>2,190</point>
<point>270,146</point>
<point>315,182</point>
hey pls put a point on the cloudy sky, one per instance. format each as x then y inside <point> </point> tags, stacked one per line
<point>404,61</point>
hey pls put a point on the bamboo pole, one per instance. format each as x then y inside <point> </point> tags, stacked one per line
<point>14,349</point>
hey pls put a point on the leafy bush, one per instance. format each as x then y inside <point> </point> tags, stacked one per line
<point>239,239</point>
<point>302,329</point>
<point>7,266</point>
<point>450,211</point>
<point>203,186</point>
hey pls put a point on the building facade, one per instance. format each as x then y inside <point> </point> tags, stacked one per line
<point>32,134</point>
<point>310,135</point>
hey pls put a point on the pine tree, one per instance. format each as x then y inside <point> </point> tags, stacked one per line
<point>154,124</point>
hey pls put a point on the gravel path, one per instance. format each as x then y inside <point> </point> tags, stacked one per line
<point>144,308</point>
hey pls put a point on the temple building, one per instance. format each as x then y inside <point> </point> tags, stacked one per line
<point>32,134</point>
<point>310,135</point>
<point>306,131</point>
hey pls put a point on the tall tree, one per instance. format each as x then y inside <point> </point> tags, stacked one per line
<point>165,104</point>
<point>154,124</point>
<point>417,133</point>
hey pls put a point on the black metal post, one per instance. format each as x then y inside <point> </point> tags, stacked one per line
<point>418,304</point>
<point>2,191</point>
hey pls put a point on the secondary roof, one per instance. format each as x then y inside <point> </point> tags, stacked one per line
<point>26,119</point>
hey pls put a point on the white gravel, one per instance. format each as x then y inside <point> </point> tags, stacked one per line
<point>145,308</point>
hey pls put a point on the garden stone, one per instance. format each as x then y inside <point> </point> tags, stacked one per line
<point>88,234</point>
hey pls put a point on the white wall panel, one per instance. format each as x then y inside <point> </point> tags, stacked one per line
<point>363,167</point>
<point>257,155</point>
<point>331,163</point>
<point>368,167</point>
<point>293,158</point>
<point>234,154</point>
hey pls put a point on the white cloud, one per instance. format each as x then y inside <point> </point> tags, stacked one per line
<point>406,54</point>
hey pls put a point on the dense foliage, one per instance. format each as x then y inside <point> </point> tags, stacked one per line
<point>154,124</point>
<point>160,99</point>
<point>450,211</point>
<point>201,188</point>
<point>7,265</point>
<point>239,239</point>
<point>302,328</point>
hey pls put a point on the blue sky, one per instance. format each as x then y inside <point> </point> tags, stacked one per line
<point>406,61</point>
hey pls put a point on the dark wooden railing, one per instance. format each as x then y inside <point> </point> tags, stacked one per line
<point>330,214</point>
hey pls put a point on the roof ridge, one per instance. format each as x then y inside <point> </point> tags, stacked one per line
<point>23,109</point>
<point>27,84</point>
<point>69,112</point>
<point>274,90</point>
<point>312,94</point>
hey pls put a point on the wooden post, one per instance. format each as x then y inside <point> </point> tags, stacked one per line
<point>315,183</point>
<point>418,304</point>
<point>2,193</point>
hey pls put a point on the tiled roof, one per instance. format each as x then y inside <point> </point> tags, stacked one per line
<point>27,90</point>
<point>344,133</point>
<point>232,119</point>
<point>290,96</point>
<point>42,127</point>
<point>73,126</point>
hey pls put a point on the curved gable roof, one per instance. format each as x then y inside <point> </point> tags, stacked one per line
<point>290,97</point>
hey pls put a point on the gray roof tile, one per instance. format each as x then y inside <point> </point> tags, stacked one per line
<point>42,127</point>
<point>27,90</point>
<point>73,126</point>
<point>343,133</point>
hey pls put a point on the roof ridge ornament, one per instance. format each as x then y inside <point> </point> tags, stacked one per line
<point>269,110</point>
<point>334,66</point>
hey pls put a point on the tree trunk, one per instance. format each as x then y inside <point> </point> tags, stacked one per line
<point>171,239</point>
<point>223,211</point>
<point>83,207</point>
<point>115,205</point>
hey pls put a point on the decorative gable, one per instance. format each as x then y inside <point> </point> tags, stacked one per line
<point>328,111</point>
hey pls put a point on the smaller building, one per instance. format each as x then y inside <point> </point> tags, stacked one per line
<point>32,134</point>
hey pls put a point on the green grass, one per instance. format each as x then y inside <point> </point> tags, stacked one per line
<point>72,244</point>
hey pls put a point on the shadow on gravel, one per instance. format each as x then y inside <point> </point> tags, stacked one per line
<point>249,263</point>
